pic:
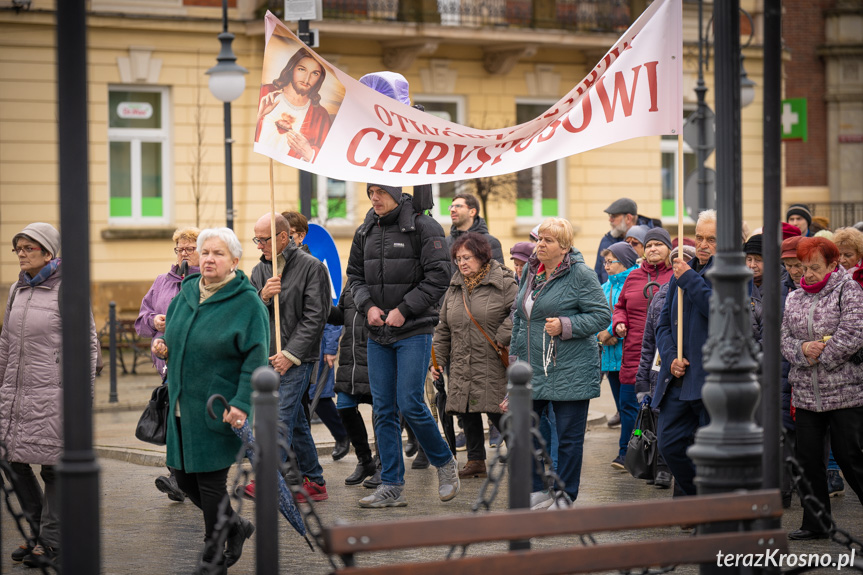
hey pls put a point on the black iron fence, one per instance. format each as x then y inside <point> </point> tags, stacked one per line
<point>582,15</point>
<point>839,214</point>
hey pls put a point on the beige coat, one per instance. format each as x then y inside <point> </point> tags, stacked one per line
<point>477,379</point>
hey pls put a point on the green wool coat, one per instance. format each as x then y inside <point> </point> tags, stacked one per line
<point>213,347</point>
<point>574,295</point>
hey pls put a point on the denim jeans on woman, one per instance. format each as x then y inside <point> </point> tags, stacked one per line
<point>571,423</point>
<point>292,386</point>
<point>397,374</point>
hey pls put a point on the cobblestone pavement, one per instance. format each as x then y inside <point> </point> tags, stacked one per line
<point>144,533</point>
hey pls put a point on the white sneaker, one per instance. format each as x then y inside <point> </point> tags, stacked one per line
<point>448,481</point>
<point>385,496</point>
<point>562,501</point>
<point>541,499</point>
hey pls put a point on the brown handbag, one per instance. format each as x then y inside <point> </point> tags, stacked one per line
<point>501,351</point>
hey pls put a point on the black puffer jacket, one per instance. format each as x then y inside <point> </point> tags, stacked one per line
<point>399,261</point>
<point>479,226</point>
<point>352,376</point>
<point>304,302</point>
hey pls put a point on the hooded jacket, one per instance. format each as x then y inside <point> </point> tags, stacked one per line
<point>352,375</point>
<point>833,382</point>
<point>477,378</point>
<point>399,260</point>
<point>612,288</point>
<point>31,371</point>
<point>574,295</point>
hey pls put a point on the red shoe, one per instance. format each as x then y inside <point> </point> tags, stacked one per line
<point>249,491</point>
<point>317,491</point>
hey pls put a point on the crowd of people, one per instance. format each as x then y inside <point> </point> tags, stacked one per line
<point>425,310</point>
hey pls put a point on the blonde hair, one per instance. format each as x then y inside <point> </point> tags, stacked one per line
<point>560,229</point>
<point>849,237</point>
<point>188,234</point>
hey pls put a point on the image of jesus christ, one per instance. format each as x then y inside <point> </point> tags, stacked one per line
<point>291,119</point>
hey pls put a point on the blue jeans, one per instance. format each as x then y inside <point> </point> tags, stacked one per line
<point>292,386</point>
<point>548,430</point>
<point>628,414</point>
<point>614,384</point>
<point>397,375</point>
<point>571,422</point>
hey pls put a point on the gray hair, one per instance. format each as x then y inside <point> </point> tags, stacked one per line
<point>227,235</point>
<point>707,216</point>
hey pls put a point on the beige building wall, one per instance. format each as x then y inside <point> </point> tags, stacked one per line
<point>176,53</point>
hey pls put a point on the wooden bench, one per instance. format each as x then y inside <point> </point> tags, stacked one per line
<point>742,536</point>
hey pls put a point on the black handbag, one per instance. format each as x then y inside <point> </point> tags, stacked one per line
<point>642,451</point>
<point>153,424</point>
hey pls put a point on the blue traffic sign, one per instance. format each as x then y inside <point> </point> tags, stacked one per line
<point>322,246</point>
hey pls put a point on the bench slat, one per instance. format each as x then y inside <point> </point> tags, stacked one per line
<point>524,524</point>
<point>699,549</point>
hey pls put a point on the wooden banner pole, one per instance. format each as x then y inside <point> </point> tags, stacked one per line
<point>275,257</point>
<point>679,242</point>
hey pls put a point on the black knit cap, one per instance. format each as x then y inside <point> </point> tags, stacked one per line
<point>753,245</point>
<point>801,210</point>
<point>395,192</point>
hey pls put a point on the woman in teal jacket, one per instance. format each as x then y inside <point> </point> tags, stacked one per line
<point>619,260</point>
<point>559,309</point>
<point>217,331</point>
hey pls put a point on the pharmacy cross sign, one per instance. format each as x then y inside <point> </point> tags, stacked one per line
<point>793,118</point>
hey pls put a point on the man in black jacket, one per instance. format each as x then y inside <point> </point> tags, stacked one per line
<point>464,211</point>
<point>397,271</point>
<point>303,288</point>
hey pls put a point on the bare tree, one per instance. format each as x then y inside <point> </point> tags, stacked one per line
<point>497,189</point>
<point>196,170</point>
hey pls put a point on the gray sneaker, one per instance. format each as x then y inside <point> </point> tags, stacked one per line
<point>385,496</point>
<point>448,481</point>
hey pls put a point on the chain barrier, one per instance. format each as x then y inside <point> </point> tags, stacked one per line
<point>810,503</point>
<point>21,517</point>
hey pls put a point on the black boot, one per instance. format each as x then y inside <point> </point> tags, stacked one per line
<point>411,444</point>
<point>375,480</point>
<point>364,469</point>
<point>421,461</point>
<point>240,531</point>
<point>356,429</point>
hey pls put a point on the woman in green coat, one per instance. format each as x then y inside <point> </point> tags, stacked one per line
<point>216,335</point>
<point>558,311</point>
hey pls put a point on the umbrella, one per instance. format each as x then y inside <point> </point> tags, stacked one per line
<point>286,501</point>
<point>440,402</point>
<point>319,387</point>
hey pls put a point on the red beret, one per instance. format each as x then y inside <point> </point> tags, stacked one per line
<point>789,231</point>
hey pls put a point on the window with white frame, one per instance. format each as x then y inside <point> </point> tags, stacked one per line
<point>139,165</point>
<point>332,201</point>
<point>539,189</point>
<point>451,109</point>
<point>671,171</point>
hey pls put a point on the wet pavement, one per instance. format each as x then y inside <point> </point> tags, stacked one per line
<point>145,533</point>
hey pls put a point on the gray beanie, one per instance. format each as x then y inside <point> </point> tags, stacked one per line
<point>624,252</point>
<point>637,232</point>
<point>46,234</point>
<point>659,235</point>
<point>395,192</point>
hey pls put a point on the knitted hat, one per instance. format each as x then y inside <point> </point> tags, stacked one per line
<point>789,247</point>
<point>395,192</point>
<point>801,210</point>
<point>622,206</point>
<point>659,235</point>
<point>522,251</point>
<point>637,232</point>
<point>753,245</point>
<point>46,234</point>
<point>789,231</point>
<point>624,253</point>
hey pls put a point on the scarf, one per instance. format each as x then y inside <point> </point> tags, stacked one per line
<point>470,282</point>
<point>816,287</point>
<point>208,290</point>
<point>44,273</point>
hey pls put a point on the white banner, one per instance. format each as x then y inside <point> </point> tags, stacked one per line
<point>314,117</point>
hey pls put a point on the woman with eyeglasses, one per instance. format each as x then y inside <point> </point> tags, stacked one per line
<point>476,306</point>
<point>31,386</point>
<point>151,319</point>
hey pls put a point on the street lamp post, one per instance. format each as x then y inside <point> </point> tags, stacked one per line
<point>227,83</point>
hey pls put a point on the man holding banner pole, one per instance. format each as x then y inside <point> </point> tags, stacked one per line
<point>678,388</point>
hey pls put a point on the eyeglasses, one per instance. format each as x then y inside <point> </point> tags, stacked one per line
<point>609,262</point>
<point>26,249</point>
<point>463,259</point>
<point>260,241</point>
<point>185,251</point>
<point>457,206</point>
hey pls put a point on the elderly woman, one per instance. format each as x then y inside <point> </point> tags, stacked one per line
<point>475,307</point>
<point>630,315</point>
<point>821,332</point>
<point>559,310</point>
<point>151,319</point>
<point>620,261</point>
<point>850,244</point>
<point>217,333</point>
<point>31,384</point>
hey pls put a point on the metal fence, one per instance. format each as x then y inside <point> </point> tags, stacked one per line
<point>581,15</point>
<point>839,214</point>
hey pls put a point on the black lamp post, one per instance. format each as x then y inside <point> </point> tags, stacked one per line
<point>227,83</point>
